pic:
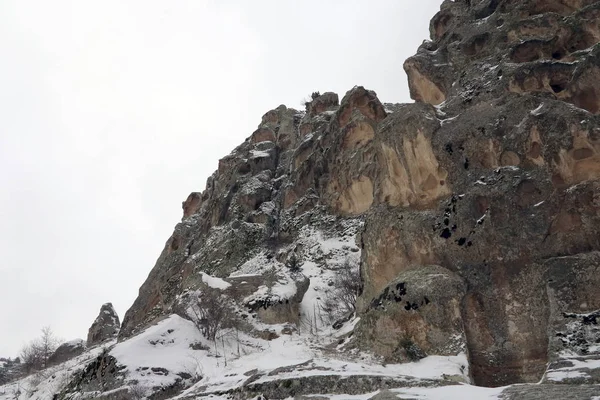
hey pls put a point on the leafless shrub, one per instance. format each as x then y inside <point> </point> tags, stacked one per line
<point>137,391</point>
<point>306,102</point>
<point>341,300</point>
<point>211,313</point>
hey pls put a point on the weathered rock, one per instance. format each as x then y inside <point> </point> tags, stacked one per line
<point>192,204</point>
<point>67,351</point>
<point>105,327</point>
<point>419,313</point>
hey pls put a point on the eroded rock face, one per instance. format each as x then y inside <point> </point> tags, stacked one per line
<point>105,327</point>
<point>516,145</point>
<point>478,204</point>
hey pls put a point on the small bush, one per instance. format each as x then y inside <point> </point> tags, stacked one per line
<point>293,264</point>
<point>412,350</point>
<point>137,391</point>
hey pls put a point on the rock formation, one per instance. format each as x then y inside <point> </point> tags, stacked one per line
<point>67,351</point>
<point>105,327</point>
<point>474,213</point>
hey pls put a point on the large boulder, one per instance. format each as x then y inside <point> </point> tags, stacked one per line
<point>67,351</point>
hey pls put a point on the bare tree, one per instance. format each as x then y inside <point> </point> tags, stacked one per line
<point>341,300</point>
<point>35,354</point>
<point>211,313</point>
<point>31,357</point>
<point>48,343</point>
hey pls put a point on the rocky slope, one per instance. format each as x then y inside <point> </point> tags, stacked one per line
<point>477,205</point>
<point>464,226</point>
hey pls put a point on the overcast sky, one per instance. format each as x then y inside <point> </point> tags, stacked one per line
<point>112,112</point>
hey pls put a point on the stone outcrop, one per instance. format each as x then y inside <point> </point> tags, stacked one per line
<point>67,351</point>
<point>105,327</point>
<point>477,207</point>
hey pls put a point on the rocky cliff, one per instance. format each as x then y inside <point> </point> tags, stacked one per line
<point>473,215</point>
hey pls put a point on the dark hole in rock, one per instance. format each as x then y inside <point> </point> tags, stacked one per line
<point>557,55</point>
<point>461,241</point>
<point>499,74</point>
<point>244,169</point>
<point>401,288</point>
<point>446,234</point>
<point>484,10</point>
<point>469,243</point>
<point>499,22</point>
<point>446,221</point>
<point>558,87</point>
<point>454,228</point>
<point>466,163</point>
<point>449,148</point>
<point>426,300</point>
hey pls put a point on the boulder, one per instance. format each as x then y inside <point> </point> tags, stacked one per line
<point>67,351</point>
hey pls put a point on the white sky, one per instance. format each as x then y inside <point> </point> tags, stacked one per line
<point>112,112</point>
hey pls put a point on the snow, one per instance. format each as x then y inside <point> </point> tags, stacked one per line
<point>557,376</point>
<point>296,352</point>
<point>448,120</point>
<point>259,154</point>
<point>458,392</point>
<point>215,283</point>
<point>164,345</point>
<point>537,111</point>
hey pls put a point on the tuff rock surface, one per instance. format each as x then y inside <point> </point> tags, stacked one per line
<point>473,214</point>
<point>105,327</point>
